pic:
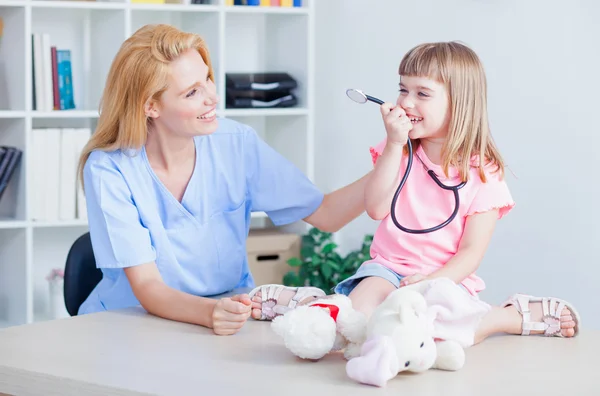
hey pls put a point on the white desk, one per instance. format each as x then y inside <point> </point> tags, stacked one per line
<point>130,353</point>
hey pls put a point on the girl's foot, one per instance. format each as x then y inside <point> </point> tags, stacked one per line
<point>544,315</point>
<point>270,301</point>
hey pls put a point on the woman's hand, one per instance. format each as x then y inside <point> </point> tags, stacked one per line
<point>397,124</point>
<point>409,280</point>
<point>230,314</point>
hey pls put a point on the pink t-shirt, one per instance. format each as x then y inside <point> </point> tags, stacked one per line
<point>423,204</point>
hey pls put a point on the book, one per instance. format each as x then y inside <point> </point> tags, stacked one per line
<point>68,174</point>
<point>48,98</point>
<point>56,190</point>
<point>10,159</point>
<point>65,79</point>
<point>55,90</point>
<point>38,72</point>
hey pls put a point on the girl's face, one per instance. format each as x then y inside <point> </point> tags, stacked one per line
<point>426,102</point>
<point>188,106</point>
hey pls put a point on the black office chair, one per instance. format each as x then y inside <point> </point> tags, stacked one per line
<point>81,274</point>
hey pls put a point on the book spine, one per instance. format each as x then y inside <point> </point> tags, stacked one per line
<point>65,81</point>
<point>47,76</point>
<point>38,72</point>
<point>55,90</point>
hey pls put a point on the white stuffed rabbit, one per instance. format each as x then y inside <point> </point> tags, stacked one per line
<point>400,338</point>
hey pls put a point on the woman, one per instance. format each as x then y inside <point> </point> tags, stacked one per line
<point>169,187</point>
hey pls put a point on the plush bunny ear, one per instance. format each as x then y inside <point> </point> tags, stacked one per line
<point>404,298</point>
<point>377,364</point>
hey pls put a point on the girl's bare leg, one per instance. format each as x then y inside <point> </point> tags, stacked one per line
<point>509,321</point>
<point>369,293</point>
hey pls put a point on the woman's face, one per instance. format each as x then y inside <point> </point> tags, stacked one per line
<point>188,106</point>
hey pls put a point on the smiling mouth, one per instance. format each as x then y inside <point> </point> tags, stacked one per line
<point>208,115</point>
<point>414,119</point>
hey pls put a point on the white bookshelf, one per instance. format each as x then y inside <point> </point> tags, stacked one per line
<point>240,38</point>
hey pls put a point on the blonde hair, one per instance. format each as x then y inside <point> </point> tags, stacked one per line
<point>138,73</point>
<point>460,70</point>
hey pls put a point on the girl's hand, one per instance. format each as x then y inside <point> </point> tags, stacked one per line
<point>397,124</point>
<point>230,314</point>
<point>409,280</point>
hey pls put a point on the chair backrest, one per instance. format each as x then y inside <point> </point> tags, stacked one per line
<point>81,274</point>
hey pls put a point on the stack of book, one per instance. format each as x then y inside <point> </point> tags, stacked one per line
<point>56,189</point>
<point>260,90</point>
<point>265,3</point>
<point>10,157</point>
<point>52,77</point>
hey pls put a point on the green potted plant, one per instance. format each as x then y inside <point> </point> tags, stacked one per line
<point>320,265</point>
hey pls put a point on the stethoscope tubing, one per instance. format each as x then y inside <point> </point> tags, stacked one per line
<point>432,174</point>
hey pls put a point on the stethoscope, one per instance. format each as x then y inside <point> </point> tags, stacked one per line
<point>359,97</point>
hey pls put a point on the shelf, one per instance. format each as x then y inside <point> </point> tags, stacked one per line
<point>77,223</point>
<point>88,5</point>
<point>111,5</point>
<point>15,224</point>
<point>59,223</point>
<point>13,3</point>
<point>265,112</point>
<point>12,224</point>
<point>65,114</point>
<point>259,215</point>
<point>175,7</point>
<point>12,114</point>
<point>265,10</point>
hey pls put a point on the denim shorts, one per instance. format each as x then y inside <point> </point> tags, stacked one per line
<point>364,271</point>
<point>371,269</point>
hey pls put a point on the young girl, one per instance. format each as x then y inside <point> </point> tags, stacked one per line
<point>442,109</point>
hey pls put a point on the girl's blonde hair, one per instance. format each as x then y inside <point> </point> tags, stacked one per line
<point>138,73</point>
<point>460,70</point>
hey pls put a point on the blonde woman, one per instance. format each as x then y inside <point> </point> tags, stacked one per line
<point>170,188</point>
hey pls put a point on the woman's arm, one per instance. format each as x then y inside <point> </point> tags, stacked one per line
<point>383,183</point>
<point>374,191</point>
<point>224,316</point>
<point>340,207</point>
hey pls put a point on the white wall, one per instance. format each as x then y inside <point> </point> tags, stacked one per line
<point>542,59</point>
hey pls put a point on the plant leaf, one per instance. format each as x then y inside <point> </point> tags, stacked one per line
<point>329,248</point>
<point>291,279</point>
<point>294,262</point>
<point>327,271</point>
<point>307,251</point>
<point>333,265</point>
<point>314,232</point>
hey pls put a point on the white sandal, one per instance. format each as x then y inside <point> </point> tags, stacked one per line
<point>551,312</point>
<point>269,294</point>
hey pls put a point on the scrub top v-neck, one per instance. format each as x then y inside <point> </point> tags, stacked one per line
<point>198,244</point>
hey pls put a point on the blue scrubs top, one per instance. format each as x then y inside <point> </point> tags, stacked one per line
<point>198,244</point>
